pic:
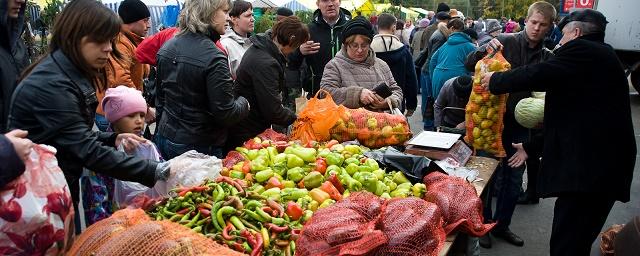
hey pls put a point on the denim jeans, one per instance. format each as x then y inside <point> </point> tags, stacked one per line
<point>425,87</point>
<point>102,123</point>
<point>510,183</point>
<point>169,149</point>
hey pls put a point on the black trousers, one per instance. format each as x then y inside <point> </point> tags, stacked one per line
<point>577,221</point>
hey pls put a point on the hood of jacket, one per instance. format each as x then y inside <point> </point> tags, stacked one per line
<point>369,61</point>
<point>343,15</point>
<point>10,29</point>
<point>264,42</point>
<point>457,38</point>
<point>386,43</point>
<point>235,37</point>
<point>443,29</point>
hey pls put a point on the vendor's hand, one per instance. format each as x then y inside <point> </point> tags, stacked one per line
<point>379,102</point>
<point>367,97</point>
<point>409,112</point>
<point>21,144</point>
<point>519,158</point>
<point>129,141</point>
<point>486,78</point>
<point>150,117</point>
<point>309,47</point>
<point>495,44</point>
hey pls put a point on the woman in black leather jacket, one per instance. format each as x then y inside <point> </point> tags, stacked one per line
<point>196,103</point>
<point>56,101</point>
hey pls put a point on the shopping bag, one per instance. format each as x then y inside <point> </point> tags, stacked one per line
<point>316,118</point>
<point>301,102</point>
<point>36,209</point>
<point>133,194</point>
<point>97,196</point>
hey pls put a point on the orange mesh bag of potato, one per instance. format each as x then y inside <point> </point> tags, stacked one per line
<point>131,232</point>
<point>485,111</point>
<point>458,202</point>
<point>372,129</point>
<point>413,227</point>
<point>364,224</point>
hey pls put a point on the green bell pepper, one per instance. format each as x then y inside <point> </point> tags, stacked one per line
<point>337,148</point>
<point>273,193</point>
<point>288,184</point>
<point>400,193</point>
<point>293,194</point>
<point>392,185</point>
<point>279,169</point>
<point>353,149</point>
<point>352,168</point>
<point>335,159</point>
<point>264,175</point>
<point>295,174</point>
<point>379,173</point>
<point>399,178</point>
<point>294,161</point>
<point>313,180</point>
<point>404,186</point>
<point>236,174</point>
<point>324,152</point>
<point>273,153</point>
<point>385,196</point>
<point>326,203</point>
<point>307,154</point>
<point>332,169</point>
<point>365,168</point>
<point>252,154</point>
<point>351,160</point>
<point>418,190</point>
<point>259,164</point>
<point>304,201</point>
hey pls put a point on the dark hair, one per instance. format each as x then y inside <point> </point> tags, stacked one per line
<point>79,19</point>
<point>239,7</point>
<point>399,25</point>
<point>290,32</point>
<point>386,21</point>
<point>455,24</point>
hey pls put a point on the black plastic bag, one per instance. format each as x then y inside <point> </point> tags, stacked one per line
<point>414,167</point>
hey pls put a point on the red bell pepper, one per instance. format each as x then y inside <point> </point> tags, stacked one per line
<point>328,187</point>
<point>321,165</point>
<point>294,211</point>
<point>333,178</point>
<point>273,182</point>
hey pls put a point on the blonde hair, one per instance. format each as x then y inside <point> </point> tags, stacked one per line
<point>197,15</point>
<point>546,9</point>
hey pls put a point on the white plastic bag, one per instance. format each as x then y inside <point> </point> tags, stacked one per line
<point>129,193</point>
<point>190,169</point>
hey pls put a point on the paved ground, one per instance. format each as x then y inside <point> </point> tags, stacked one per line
<point>533,222</point>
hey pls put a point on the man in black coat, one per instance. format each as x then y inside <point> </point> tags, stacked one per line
<point>580,166</point>
<point>13,53</point>
<point>325,29</point>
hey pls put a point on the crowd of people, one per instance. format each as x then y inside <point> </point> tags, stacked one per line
<point>211,83</point>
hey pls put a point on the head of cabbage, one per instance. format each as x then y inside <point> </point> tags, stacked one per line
<point>529,112</point>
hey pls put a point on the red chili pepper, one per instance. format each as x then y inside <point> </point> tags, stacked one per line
<point>276,206</point>
<point>275,228</point>
<point>267,209</point>
<point>183,211</point>
<point>231,182</point>
<point>184,191</point>
<point>204,212</point>
<point>295,234</point>
<point>199,189</point>
<point>328,187</point>
<point>257,250</point>
<point>225,232</point>
<point>246,167</point>
<point>333,178</point>
<point>250,238</point>
<point>301,184</point>
<point>321,165</point>
<point>238,247</point>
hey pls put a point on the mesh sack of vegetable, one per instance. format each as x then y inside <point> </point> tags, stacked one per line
<point>413,227</point>
<point>372,129</point>
<point>131,232</point>
<point>458,202</point>
<point>484,111</point>
<point>346,226</point>
<point>317,118</point>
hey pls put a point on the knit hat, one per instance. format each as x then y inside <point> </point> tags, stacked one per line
<point>454,13</point>
<point>423,23</point>
<point>586,15</point>
<point>462,86</point>
<point>131,11</point>
<point>471,33</point>
<point>357,26</point>
<point>493,25</point>
<point>284,11</point>
<point>442,7</point>
<point>443,16</point>
<point>122,101</point>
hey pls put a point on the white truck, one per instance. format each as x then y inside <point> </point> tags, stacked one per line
<point>623,33</point>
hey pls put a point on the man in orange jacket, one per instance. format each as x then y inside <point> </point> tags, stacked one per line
<point>126,69</point>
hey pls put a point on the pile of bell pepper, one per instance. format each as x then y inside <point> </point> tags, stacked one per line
<point>228,211</point>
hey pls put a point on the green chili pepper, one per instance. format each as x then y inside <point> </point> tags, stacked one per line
<point>176,217</point>
<point>254,215</point>
<point>197,229</point>
<point>278,221</point>
<point>226,210</point>
<point>252,204</point>
<point>193,221</point>
<point>293,194</point>
<point>246,247</point>
<point>219,193</point>
<point>215,209</point>
<point>237,223</point>
<point>264,215</point>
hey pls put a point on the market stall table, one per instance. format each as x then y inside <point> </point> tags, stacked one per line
<point>486,167</point>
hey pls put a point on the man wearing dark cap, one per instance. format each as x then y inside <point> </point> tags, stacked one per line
<point>577,165</point>
<point>522,48</point>
<point>454,94</point>
<point>126,70</point>
<point>282,13</point>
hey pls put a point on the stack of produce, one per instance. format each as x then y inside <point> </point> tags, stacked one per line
<point>484,111</point>
<point>372,129</point>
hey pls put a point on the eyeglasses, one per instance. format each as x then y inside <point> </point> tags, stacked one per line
<point>355,46</point>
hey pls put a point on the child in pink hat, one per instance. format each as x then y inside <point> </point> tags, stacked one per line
<point>125,109</point>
